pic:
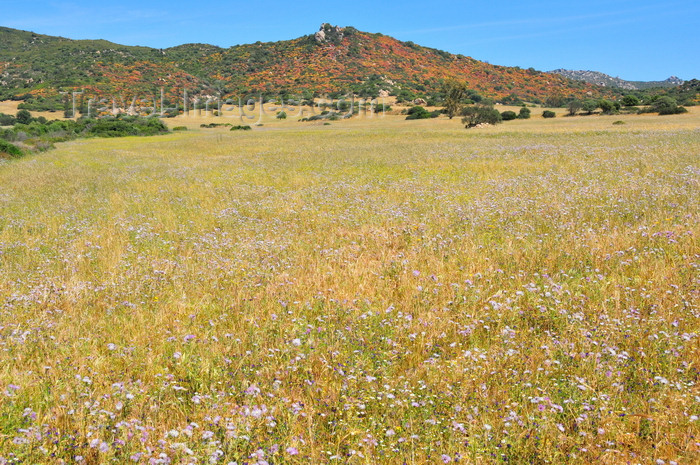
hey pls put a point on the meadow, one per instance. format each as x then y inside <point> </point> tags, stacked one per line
<point>374,291</point>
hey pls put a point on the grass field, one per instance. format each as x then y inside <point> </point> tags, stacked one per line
<point>375,291</point>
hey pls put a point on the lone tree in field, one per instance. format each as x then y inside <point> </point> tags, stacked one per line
<point>455,93</point>
<point>574,106</point>
<point>473,115</point>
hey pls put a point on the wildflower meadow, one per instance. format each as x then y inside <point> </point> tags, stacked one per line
<point>366,292</point>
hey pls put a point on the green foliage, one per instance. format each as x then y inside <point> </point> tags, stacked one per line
<point>10,149</point>
<point>630,100</point>
<point>548,114</point>
<point>665,106</point>
<point>524,113</point>
<point>418,112</point>
<point>589,106</point>
<point>24,117</point>
<point>455,94</point>
<point>574,106</point>
<point>241,127</point>
<point>120,127</point>
<point>608,107</point>
<point>555,101</point>
<point>52,103</point>
<point>281,115</point>
<point>7,120</point>
<point>40,134</point>
<point>511,99</point>
<point>405,95</point>
<point>180,128</point>
<point>474,115</point>
<point>508,115</point>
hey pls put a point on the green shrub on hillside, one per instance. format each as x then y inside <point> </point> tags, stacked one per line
<point>548,114</point>
<point>12,150</point>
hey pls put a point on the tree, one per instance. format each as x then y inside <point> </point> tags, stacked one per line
<point>554,101</point>
<point>664,106</point>
<point>281,115</point>
<point>574,106</point>
<point>608,107</point>
<point>474,115</point>
<point>589,106</point>
<point>630,100</point>
<point>524,113</point>
<point>455,94</point>
<point>24,117</point>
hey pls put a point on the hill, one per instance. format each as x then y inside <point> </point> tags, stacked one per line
<point>602,79</point>
<point>333,60</point>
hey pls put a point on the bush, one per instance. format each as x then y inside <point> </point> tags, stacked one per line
<point>180,128</point>
<point>241,127</point>
<point>24,117</point>
<point>524,113</point>
<point>120,127</point>
<point>418,112</point>
<point>7,120</point>
<point>10,149</point>
<point>548,114</point>
<point>480,114</point>
<point>666,106</point>
<point>508,115</point>
<point>281,115</point>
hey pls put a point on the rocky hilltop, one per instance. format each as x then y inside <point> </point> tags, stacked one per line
<point>601,79</point>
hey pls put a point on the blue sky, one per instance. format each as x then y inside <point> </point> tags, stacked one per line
<point>632,39</point>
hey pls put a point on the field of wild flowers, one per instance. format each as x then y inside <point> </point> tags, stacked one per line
<point>386,293</point>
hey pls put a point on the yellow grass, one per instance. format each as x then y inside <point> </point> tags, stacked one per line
<point>371,291</point>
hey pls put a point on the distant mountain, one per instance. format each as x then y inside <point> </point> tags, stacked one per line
<point>331,60</point>
<point>601,79</point>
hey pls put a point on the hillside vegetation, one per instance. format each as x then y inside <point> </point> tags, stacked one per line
<point>338,61</point>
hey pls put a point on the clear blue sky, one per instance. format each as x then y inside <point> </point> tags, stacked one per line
<point>632,39</point>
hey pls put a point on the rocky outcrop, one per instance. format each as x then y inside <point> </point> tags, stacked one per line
<point>602,79</point>
<point>327,33</point>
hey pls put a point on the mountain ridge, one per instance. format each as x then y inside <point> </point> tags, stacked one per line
<point>605,80</point>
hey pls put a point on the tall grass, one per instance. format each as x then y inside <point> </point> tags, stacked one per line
<point>368,293</point>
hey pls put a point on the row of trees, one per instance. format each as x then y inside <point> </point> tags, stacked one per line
<point>663,105</point>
